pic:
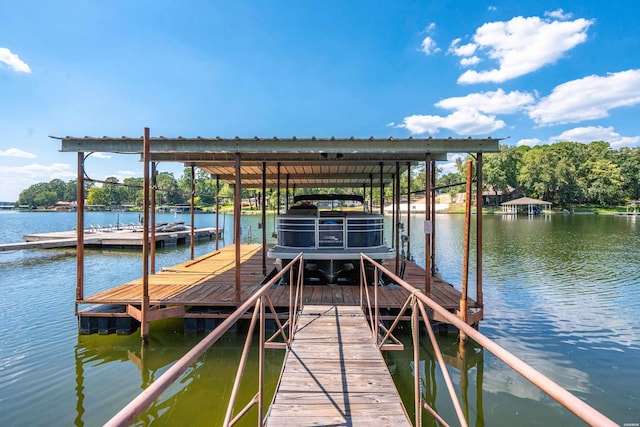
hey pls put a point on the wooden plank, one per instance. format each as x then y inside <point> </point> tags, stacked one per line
<point>334,374</point>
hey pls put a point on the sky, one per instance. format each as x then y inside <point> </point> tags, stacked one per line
<point>533,72</point>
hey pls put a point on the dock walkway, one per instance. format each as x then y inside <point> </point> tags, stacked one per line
<point>335,375</point>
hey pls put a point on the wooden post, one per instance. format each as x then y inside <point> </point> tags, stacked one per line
<point>433,218</point>
<point>144,325</point>
<point>286,195</point>
<point>479,202</point>
<point>193,208</point>
<point>217,209</point>
<point>408,210</point>
<point>264,218</point>
<point>465,262</point>
<point>428,227</point>
<point>237,211</point>
<point>397,216</point>
<point>278,191</point>
<point>80,232</point>
<point>381,188</point>
<point>153,217</point>
<point>370,192</point>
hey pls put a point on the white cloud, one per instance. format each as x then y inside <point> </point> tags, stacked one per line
<point>429,46</point>
<point>469,62</point>
<point>496,102</point>
<point>16,152</point>
<point>13,61</point>
<point>559,14</point>
<point>523,45</point>
<point>463,122</point>
<point>597,133</point>
<point>464,50</point>
<point>588,98</point>
<point>492,8</point>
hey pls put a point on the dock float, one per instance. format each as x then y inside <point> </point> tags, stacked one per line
<point>335,375</point>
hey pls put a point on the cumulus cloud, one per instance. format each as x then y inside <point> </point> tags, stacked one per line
<point>463,122</point>
<point>429,46</point>
<point>473,114</point>
<point>99,155</point>
<point>13,61</point>
<point>493,102</point>
<point>588,98</point>
<point>589,134</point>
<point>521,46</point>
<point>469,62</point>
<point>16,152</point>
<point>559,14</point>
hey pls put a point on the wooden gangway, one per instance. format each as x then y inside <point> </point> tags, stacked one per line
<point>334,374</point>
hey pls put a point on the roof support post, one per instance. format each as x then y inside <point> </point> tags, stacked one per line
<point>433,218</point>
<point>192,203</point>
<point>144,325</point>
<point>397,217</point>
<point>278,191</point>
<point>479,297</point>
<point>409,211</point>
<point>286,196</point>
<point>264,218</point>
<point>463,312</point>
<point>237,211</point>
<point>381,188</point>
<point>217,210</point>
<point>428,226</point>
<point>153,217</point>
<point>370,192</point>
<point>80,231</point>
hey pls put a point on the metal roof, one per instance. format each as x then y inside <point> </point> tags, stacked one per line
<point>307,162</point>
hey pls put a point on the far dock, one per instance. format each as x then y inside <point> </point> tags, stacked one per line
<point>108,237</point>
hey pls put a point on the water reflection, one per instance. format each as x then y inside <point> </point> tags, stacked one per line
<point>200,395</point>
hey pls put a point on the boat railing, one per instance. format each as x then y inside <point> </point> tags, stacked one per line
<point>418,303</point>
<point>338,231</point>
<point>259,302</point>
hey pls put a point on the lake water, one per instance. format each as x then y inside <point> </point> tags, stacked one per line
<point>562,293</point>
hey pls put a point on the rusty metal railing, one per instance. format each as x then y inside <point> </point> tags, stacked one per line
<point>418,302</point>
<point>259,301</point>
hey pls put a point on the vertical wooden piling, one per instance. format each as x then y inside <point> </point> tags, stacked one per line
<point>263,205</point>
<point>428,229</point>
<point>192,204</point>
<point>479,298</point>
<point>465,262</point>
<point>80,232</point>
<point>409,210</point>
<point>217,210</point>
<point>144,325</point>
<point>237,211</point>
<point>153,217</point>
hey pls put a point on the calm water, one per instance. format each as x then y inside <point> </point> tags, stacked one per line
<point>562,293</point>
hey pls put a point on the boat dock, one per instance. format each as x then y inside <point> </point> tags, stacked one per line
<point>108,237</point>
<point>334,374</point>
<point>204,288</point>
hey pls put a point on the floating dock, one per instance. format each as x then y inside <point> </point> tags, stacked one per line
<point>204,288</point>
<point>334,374</point>
<point>111,237</point>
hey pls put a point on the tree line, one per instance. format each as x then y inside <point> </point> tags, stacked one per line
<point>565,173</point>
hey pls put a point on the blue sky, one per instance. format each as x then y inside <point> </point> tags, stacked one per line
<point>535,72</point>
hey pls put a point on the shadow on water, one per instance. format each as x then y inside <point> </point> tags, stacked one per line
<point>200,395</point>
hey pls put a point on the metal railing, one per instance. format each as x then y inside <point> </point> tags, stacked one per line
<point>418,302</point>
<point>259,301</point>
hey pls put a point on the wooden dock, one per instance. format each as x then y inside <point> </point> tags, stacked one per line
<point>205,288</point>
<point>111,237</point>
<point>335,375</point>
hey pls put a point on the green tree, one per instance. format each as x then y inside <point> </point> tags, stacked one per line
<point>98,196</point>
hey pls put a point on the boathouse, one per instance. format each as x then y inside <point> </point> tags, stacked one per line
<point>284,164</point>
<point>526,205</point>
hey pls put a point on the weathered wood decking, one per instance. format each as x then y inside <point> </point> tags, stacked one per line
<point>335,375</point>
<point>209,281</point>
